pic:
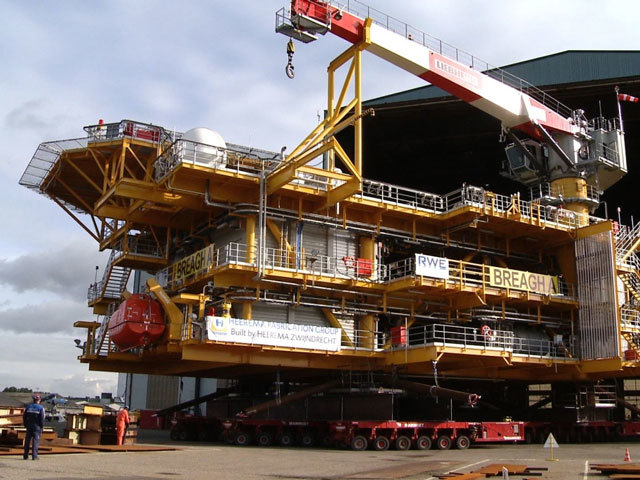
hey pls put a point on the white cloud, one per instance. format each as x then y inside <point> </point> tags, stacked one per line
<point>47,317</point>
<point>65,271</point>
<point>47,362</point>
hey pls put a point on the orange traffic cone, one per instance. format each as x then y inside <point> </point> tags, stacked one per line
<point>627,457</point>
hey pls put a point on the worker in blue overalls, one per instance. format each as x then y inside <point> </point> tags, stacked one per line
<point>33,420</point>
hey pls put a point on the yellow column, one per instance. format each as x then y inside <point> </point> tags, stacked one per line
<point>250,239</point>
<point>357,141</point>
<point>247,310</point>
<point>574,189</point>
<point>367,252</point>
<point>367,327</point>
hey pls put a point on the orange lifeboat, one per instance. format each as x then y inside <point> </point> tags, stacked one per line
<point>137,322</point>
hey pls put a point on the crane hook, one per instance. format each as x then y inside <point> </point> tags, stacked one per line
<point>291,48</point>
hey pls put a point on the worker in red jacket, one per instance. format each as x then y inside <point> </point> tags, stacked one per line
<point>122,422</point>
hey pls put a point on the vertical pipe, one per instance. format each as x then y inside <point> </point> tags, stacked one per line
<point>250,239</point>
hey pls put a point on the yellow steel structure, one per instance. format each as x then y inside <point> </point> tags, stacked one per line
<point>476,283</point>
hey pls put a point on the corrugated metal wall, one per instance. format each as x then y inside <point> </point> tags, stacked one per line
<point>225,236</point>
<point>314,238</point>
<point>307,316</point>
<point>162,391</point>
<point>598,321</point>
<point>269,313</point>
<point>301,315</point>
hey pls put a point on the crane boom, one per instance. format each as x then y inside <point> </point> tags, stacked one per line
<point>514,108</point>
<point>560,145</point>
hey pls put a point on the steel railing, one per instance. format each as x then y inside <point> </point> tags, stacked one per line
<point>461,273</point>
<point>468,195</point>
<point>128,128</point>
<point>474,338</point>
<point>233,158</point>
<point>44,159</point>
<point>547,191</point>
<point>629,317</point>
<point>138,245</point>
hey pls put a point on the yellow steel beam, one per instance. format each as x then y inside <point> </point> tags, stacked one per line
<point>84,175</point>
<point>140,190</point>
<point>601,365</point>
<point>274,356</point>
<point>357,143</point>
<point>335,323</point>
<point>287,173</point>
<point>277,234</point>
<point>94,155</point>
<point>75,219</point>
<point>135,157</point>
<point>174,314</point>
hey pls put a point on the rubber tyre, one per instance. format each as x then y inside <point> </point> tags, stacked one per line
<point>359,443</point>
<point>308,440</point>
<point>423,442</point>
<point>381,443</point>
<point>242,439</point>
<point>174,434</point>
<point>286,439</point>
<point>264,439</point>
<point>443,442</point>
<point>463,442</point>
<point>403,443</point>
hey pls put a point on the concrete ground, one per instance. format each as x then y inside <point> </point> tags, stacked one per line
<point>223,462</point>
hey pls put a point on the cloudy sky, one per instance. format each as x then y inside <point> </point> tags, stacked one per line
<point>65,64</point>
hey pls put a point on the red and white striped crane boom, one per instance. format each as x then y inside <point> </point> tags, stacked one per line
<point>561,142</point>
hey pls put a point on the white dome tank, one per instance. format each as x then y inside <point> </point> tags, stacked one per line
<point>204,146</point>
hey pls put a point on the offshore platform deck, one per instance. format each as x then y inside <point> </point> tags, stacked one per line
<point>481,283</point>
<point>295,265</point>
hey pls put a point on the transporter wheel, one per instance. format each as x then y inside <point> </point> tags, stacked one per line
<point>443,442</point>
<point>286,439</point>
<point>264,439</point>
<point>381,443</point>
<point>423,442</point>
<point>403,443</point>
<point>462,442</point>
<point>308,440</point>
<point>359,443</point>
<point>174,434</point>
<point>242,439</point>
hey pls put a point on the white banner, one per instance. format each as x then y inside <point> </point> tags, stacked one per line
<point>428,266</point>
<point>257,332</point>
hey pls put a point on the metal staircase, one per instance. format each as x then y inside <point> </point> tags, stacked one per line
<point>114,281</point>
<point>627,241</point>
<point>632,282</point>
<point>633,340</point>
<point>101,346</point>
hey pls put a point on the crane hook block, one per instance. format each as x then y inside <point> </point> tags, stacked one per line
<point>291,48</point>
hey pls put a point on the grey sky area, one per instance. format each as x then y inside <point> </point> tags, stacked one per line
<point>213,63</point>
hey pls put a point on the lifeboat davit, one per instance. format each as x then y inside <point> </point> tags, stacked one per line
<point>137,322</point>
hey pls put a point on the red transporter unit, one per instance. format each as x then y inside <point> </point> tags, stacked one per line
<point>137,322</point>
